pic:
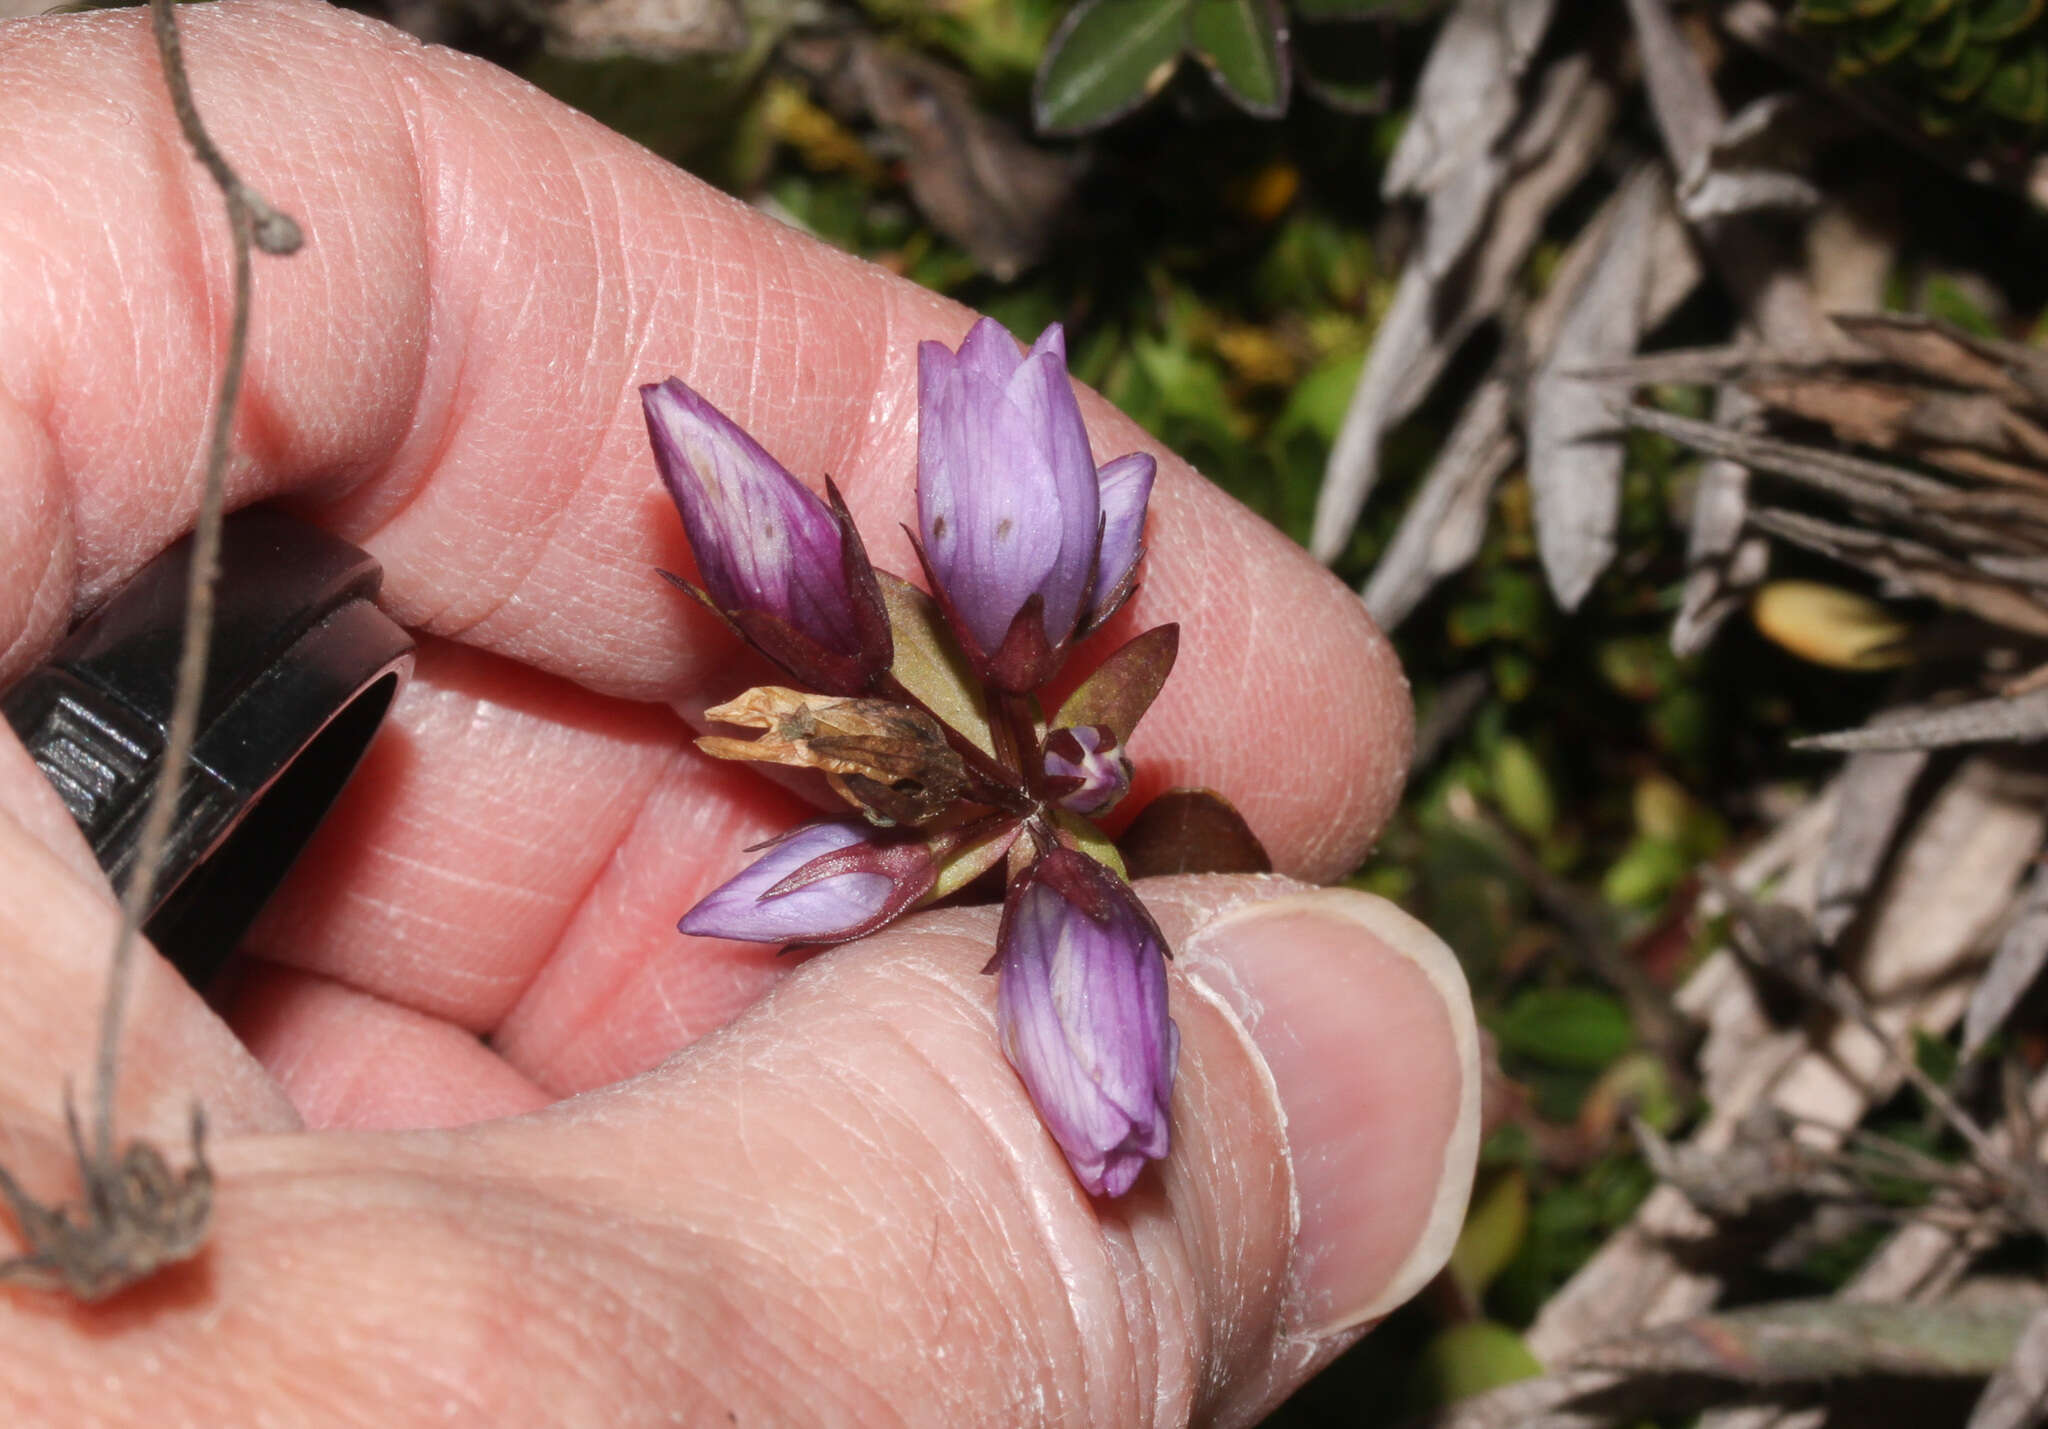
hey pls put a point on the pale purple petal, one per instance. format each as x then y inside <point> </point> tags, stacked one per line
<point>1044,395</point>
<point>816,912</point>
<point>986,495</point>
<point>989,352</point>
<point>1126,486</point>
<point>1081,1002</point>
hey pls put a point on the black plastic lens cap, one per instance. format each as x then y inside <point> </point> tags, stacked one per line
<point>304,667</point>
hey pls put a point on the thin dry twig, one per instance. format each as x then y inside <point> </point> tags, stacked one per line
<point>2015,967</point>
<point>137,1217</point>
<point>1660,1025</point>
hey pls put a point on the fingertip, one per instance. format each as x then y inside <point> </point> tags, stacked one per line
<point>1285,696</point>
<point>1362,1021</point>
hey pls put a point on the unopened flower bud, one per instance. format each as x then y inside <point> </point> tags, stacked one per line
<point>822,883</point>
<point>1086,769</point>
<point>1024,541</point>
<point>1081,1005</point>
<point>785,569</point>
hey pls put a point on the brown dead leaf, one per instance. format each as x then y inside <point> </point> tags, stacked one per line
<point>886,759</point>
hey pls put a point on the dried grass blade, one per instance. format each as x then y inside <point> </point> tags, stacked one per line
<point>1575,450</point>
<point>1914,566</point>
<point>1435,309</point>
<point>2016,965</point>
<point>1876,788</point>
<point>2021,720</point>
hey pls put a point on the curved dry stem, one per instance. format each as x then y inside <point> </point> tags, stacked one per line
<point>117,1237</point>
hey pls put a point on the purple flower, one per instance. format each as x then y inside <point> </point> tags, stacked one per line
<point>1086,769</point>
<point>1081,1004</point>
<point>786,570</point>
<point>1018,529</point>
<point>1028,547</point>
<point>820,883</point>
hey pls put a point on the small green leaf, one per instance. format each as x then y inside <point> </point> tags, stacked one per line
<point>1571,1027</point>
<point>1645,871</point>
<point>1639,1083</point>
<point>2019,90</point>
<point>1493,1233</point>
<point>1107,58</point>
<point>1318,401</point>
<point>971,860</point>
<point>1244,44</point>
<point>929,665</point>
<point>1348,67</point>
<point>1078,833</point>
<point>1124,685</point>
<point>1472,1358</point>
<point>1523,789</point>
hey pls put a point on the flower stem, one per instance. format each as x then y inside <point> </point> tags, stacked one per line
<point>1020,728</point>
<point>995,782</point>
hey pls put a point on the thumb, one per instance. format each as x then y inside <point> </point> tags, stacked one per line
<point>877,1176</point>
<point>842,1209</point>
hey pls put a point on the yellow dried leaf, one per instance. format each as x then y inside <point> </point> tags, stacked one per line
<point>1830,626</point>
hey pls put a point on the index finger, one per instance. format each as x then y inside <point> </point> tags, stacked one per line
<point>446,374</point>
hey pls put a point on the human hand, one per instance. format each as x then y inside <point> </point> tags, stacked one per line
<point>840,1207</point>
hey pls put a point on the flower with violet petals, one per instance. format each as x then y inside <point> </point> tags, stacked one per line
<point>924,713</point>
<point>1081,1004</point>
<point>783,568</point>
<point>1026,543</point>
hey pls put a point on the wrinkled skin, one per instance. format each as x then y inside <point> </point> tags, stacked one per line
<point>839,1208</point>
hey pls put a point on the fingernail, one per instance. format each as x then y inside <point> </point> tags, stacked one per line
<point>1363,1018</point>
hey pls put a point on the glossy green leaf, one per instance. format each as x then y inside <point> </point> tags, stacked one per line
<point>1570,1027</point>
<point>929,664</point>
<point>1347,67</point>
<point>1107,58</point>
<point>1244,44</point>
<point>2019,90</point>
<point>1940,45</point>
<point>1971,71</point>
